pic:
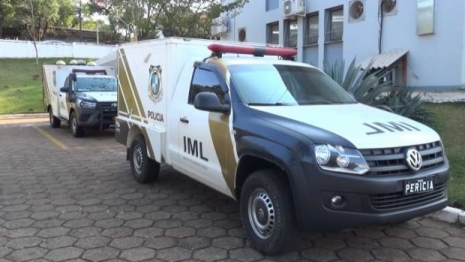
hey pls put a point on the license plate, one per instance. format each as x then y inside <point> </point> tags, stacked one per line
<point>418,186</point>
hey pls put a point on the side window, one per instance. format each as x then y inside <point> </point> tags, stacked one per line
<point>204,81</point>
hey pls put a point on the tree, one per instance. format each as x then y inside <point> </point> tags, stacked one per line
<point>38,16</point>
<point>192,18</point>
<point>67,16</point>
<point>91,24</point>
<point>183,18</point>
<point>7,11</point>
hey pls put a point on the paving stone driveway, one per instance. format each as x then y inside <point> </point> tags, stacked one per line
<point>82,204</point>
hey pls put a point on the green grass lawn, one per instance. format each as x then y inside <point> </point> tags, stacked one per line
<point>450,123</point>
<point>21,85</point>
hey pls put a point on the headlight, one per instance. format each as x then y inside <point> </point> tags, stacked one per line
<point>339,159</point>
<point>86,104</point>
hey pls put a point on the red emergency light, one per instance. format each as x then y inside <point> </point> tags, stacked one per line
<point>284,52</point>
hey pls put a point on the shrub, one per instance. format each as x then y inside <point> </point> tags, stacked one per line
<point>370,88</point>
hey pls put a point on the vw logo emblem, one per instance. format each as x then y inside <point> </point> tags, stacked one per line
<point>414,159</point>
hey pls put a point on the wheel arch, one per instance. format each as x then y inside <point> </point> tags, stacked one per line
<point>134,131</point>
<point>71,111</point>
<point>258,154</point>
<point>269,154</point>
<point>250,163</point>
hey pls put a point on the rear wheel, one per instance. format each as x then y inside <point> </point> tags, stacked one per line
<point>78,131</point>
<point>144,169</point>
<point>267,212</point>
<point>54,121</point>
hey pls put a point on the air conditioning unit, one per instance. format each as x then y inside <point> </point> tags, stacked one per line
<point>220,26</point>
<point>294,8</point>
<point>356,11</point>
<point>389,7</point>
<point>242,34</point>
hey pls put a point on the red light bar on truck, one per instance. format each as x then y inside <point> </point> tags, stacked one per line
<point>284,52</point>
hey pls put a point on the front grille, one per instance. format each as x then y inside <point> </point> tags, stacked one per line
<point>391,161</point>
<point>107,111</point>
<point>399,200</point>
<point>106,105</point>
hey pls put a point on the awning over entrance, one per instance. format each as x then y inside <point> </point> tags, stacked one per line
<point>383,60</point>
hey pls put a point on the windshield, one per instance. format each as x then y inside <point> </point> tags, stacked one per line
<point>90,84</point>
<point>261,84</point>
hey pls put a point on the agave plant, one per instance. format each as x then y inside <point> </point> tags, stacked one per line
<point>405,103</point>
<point>366,87</point>
<point>370,88</point>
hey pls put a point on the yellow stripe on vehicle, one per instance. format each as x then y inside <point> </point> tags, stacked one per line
<point>124,87</point>
<point>132,84</point>
<point>221,137</point>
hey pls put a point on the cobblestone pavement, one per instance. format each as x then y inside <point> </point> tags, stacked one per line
<point>78,202</point>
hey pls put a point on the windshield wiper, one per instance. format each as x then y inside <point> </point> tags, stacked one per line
<point>316,103</point>
<point>271,104</point>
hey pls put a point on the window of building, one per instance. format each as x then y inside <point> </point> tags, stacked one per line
<point>204,81</point>
<point>291,33</point>
<point>272,33</point>
<point>272,5</point>
<point>311,30</point>
<point>335,25</point>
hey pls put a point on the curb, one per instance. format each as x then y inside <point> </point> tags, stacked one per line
<point>23,116</point>
<point>449,215</point>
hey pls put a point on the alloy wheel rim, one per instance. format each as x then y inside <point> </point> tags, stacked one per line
<point>261,214</point>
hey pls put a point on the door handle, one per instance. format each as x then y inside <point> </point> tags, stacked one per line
<point>61,95</point>
<point>184,120</point>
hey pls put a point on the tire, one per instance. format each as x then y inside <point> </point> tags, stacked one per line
<point>144,169</point>
<point>54,121</point>
<point>76,130</point>
<point>267,212</point>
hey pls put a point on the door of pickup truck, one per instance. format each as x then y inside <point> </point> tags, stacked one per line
<point>202,155</point>
<point>63,100</point>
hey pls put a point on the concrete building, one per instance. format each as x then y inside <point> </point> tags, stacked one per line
<point>422,42</point>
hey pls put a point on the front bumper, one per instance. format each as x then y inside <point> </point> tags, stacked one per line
<point>369,200</point>
<point>101,116</point>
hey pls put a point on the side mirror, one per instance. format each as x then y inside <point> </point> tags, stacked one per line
<point>208,101</point>
<point>64,89</point>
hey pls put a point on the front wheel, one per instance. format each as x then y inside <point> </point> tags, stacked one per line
<point>77,131</point>
<point>144,169</point>
<point>54,121</point>
<point>267,211</point>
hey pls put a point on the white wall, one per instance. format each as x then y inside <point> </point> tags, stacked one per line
<point>434,61</point>
<point>25,49</point>
<point>254,17</point>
